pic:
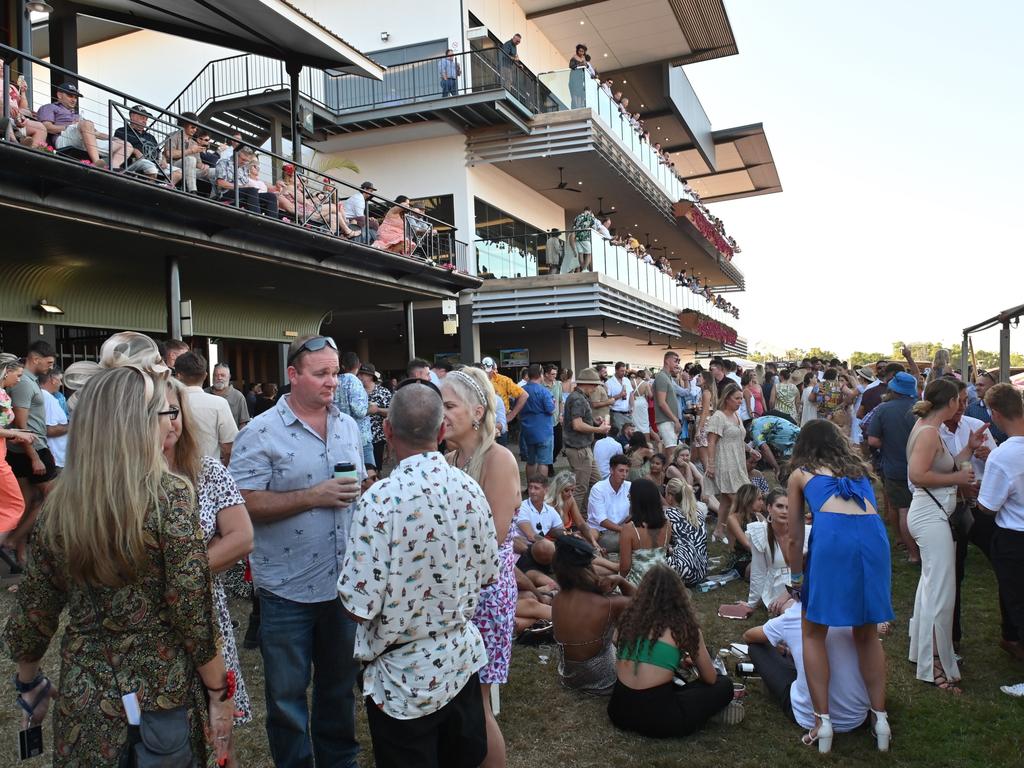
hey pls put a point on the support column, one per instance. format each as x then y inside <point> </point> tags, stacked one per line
<point>965,352</point>
<point>469,335</point>
<point>63,30</point>
<point>173,298</point>
<point>567,358</point>
<point>363,349</point>
<point>276,146</point>
<point>581,348</point>
<point>410,329</point>
<point>19,35</point>
<point>294,69</point>
<point>282,363</point>
<point>1004,351</point>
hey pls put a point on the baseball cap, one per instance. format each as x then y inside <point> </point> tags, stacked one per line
<point>69,88</point>
<point>368,186</point>
<point>138,109</point>
<point>488,364</point>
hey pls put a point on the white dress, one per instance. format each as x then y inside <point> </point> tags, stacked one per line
<point>641,416</point>
<point>768,575</point>
<point>810,411</point>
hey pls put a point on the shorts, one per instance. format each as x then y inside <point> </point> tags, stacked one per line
<point>23,467</point>
<point>70,137</point>
<point>527,563</point>
<point>540,453</point>
<point>898,492</point>
<point>144,166</point>
<point>584,247</point>
<point>667,433</point>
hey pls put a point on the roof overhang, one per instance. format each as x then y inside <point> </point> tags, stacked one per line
<point>274,28</point>
<point>624,33</point>
<point>744,166</point>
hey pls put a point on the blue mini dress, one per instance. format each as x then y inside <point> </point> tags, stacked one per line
<point>848,569</point>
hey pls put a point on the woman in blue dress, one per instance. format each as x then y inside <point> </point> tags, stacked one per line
<point>848,569</point>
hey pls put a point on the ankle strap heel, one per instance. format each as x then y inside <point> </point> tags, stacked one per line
<point>881,729</point>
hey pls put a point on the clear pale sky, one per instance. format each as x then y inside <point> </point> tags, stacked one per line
<point>896,130</point>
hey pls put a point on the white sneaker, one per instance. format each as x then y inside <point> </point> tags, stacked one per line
<point>1013,690</point>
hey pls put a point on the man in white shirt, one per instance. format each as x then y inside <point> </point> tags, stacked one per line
<point>1002,494</point>
<point>608,507</point>
<point>620,390</point>
<point>782,670</point>
<point>604,449</point>
<point>56,418</point>
<point>354,208</point>
<point>212,422</point>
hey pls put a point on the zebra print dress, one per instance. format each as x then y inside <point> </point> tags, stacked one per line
<point>688,548</point>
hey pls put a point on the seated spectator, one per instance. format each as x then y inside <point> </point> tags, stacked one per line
<point>355,211</point>
<point>537,525</point>
<point>644,539</point>
<point>21,125</point>
<point>533,609</point>
<point>747,507</point>
<point>608,506</point>
<point>639,453</point>
<point>136,150</point>
<point>769,545</point>
<point>584,613</point>
<point>332,210</point>
<point>688,545</point>
<point>64,126</point>
<point>253,181</point>
<point>233,172</point>
<point>658,634</point>
<point>291,195</point>
<point>182,147</point>
<point>782,670</point>
<point>485,273</point>
<point>392,235</point>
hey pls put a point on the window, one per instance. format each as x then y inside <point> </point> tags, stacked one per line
<point>506,246</point>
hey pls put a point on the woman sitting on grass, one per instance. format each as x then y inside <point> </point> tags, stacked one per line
<point>748,508</point>
<point>658,634</point>
<point>644,538</point>
<point>688,546</point>
<point>585,613</point>
<point>769,549</point>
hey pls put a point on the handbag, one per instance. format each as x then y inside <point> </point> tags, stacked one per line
<point>960,519</point>
<point>162,739</point>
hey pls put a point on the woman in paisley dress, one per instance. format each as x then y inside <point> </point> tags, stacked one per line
<point>225,523</point>
<point>119,537</point>
<point>469,428</point>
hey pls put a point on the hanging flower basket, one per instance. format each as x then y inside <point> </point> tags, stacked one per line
<point>702,325</point>
<point>709,232</point>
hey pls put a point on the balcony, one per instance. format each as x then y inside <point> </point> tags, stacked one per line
<point>526,257</point>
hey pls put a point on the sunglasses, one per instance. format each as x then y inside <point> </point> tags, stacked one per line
<point>425,382</point>
<point>172,412</point>
<point>314,344</point>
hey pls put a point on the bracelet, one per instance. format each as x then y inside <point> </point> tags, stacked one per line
<point>21,687</point>
<point>230,683</point>
<point>796,579</point>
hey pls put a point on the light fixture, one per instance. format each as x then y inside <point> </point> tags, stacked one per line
<point>385,36</point>
<point>606,55</point>
<point>582,23</point>
<point>38,7</point>
<point>48,308</point>
<point>579,183</point>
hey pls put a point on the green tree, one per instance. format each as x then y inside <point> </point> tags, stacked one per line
<point>858,359</point>
<point>824,354</point>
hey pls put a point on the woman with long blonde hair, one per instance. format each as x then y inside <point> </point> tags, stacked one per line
<point>708,403</point>
<point>688,546</point>
<point>120,546</point>
<point>469,415</point>
<point>726,468</point>
<point>223,517</point>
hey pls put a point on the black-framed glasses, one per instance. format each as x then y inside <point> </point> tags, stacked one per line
<point>314,344</point>
<point>172,412</point>
<point>426,382</point>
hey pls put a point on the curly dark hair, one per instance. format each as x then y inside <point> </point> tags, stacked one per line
<point>660,603</point>
<point>821,445</point>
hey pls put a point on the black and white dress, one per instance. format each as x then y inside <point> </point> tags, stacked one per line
<point>216,491</point>
<point>688,548</point>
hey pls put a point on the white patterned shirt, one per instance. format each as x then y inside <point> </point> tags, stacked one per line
<point>421,546</point>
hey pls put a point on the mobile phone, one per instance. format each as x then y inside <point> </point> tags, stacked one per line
<point>30,742</point>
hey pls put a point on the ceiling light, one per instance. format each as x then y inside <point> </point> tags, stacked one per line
<point>641,106</point>
<point>582,23</point>
<point>37,7</point>
<point>606,55</point>
<point>579,183</point>
<point>48,308</point>
<point>613,207</point>
<point>623,82</point>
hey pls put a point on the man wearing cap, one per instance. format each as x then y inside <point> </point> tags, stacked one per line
<point>144,156</point>
<point>979,410</point>
<point>512,395</point>
<point>578,430</point>
<point>889,431</point>
<point>61,119</point>
<point>865,381</point>
<point>354,211</point>
<point>182,147</point>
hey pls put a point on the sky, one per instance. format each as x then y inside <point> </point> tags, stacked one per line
<point>895,129</point>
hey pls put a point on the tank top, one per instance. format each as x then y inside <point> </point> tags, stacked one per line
<point>942,462</point>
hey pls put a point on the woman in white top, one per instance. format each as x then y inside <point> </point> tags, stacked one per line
<point>809,411</point>
<point>769,549</point>
<point>641,417</point>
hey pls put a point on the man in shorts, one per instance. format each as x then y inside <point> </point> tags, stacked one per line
<point>61,120</point>
<point>666,405</point>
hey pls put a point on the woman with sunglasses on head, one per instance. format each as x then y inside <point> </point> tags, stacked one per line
<point>849,573</point>
<point>224,519</point>
<point>469,413</point>
<point>120,547</point>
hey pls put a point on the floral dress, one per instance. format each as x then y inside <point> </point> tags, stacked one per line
<point>155,631</point>
<point>217,490</point>
<point>730,454</point>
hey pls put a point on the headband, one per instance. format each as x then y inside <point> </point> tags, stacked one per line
<point>472,383</point>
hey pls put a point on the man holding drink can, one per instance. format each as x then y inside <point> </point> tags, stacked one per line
<point>299,466</point>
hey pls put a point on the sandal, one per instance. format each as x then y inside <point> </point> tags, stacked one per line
<point>821,733</point>
<point>939,679</point>
<point>880,727</point>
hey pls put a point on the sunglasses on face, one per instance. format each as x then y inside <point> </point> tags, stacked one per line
<point>314,344</point>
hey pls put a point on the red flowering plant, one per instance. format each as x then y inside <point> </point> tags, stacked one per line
<point>706,328</point>
<point>709,232</point>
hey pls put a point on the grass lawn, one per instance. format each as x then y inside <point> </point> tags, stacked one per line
<point>545,725</point>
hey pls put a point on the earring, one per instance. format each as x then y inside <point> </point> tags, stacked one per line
<point>476,425</point>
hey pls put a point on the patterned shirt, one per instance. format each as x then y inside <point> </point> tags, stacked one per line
<point>351,399</point>
<point>422,546</point>
<point>582,225</point>
<point>297,558</point>
<point>381,397</point>
<point>506,389</point>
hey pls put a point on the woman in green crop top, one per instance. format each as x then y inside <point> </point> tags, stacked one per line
<point>656,632</point>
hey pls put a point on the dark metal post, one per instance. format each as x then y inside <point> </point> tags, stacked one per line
<point>63,31</point>
<point>293,69</point>
<point>173,298</point>
<point>1004,351</point>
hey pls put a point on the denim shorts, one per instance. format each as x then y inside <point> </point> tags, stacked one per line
<point>540,453</point>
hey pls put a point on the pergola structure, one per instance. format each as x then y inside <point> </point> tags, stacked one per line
<point>1004,319</point>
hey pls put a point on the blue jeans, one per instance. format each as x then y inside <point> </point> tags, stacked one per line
<point>295,638</point>
<point>449,87</point>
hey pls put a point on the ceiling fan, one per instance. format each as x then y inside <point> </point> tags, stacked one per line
<point>563,185</point>
<point>649,342</point>
<point>604,333</point>
<point>601,212</point>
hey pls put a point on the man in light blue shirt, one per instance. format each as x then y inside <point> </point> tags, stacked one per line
<point>352,399</point>
<point>449,70</point>
<point>283,463</point>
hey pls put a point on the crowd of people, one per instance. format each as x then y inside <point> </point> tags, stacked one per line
<point>391,518</point>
